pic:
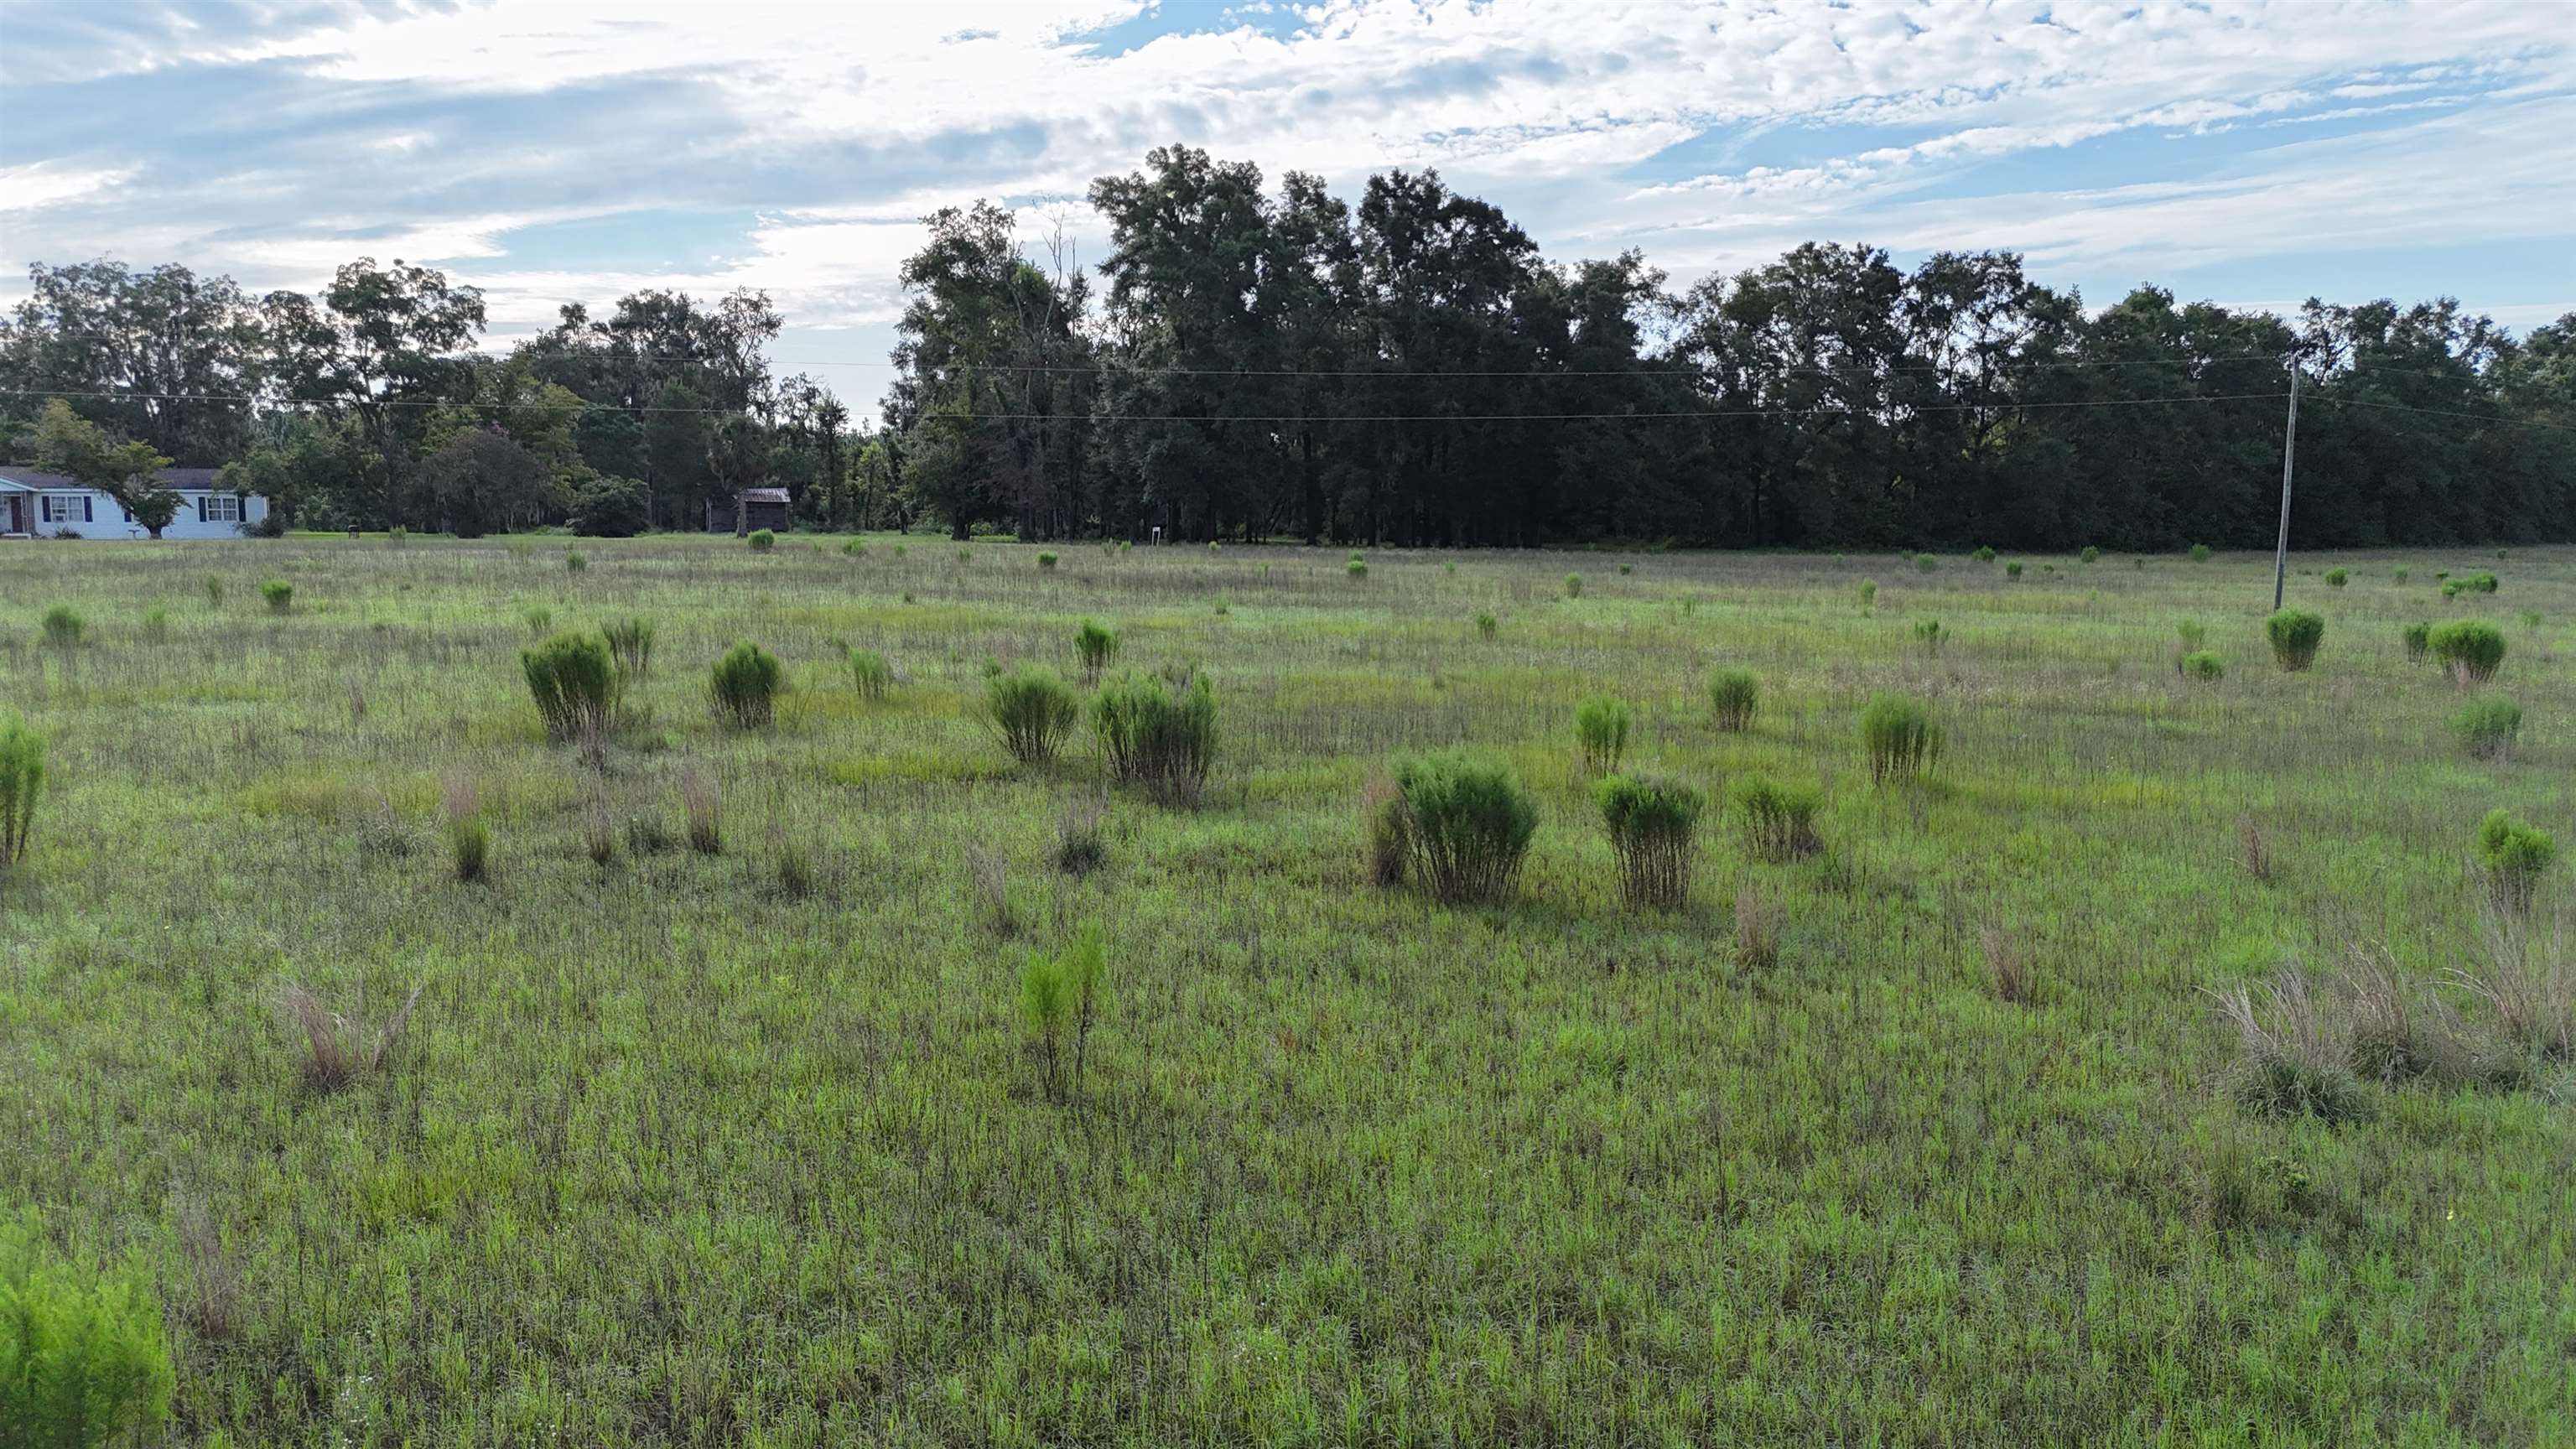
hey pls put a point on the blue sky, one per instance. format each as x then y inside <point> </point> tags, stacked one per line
<point>2249,151</point>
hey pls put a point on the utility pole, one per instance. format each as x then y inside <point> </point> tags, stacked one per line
<point>2289,450</point>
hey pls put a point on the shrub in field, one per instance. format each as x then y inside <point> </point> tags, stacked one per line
<point>2418,638</point>
<point>2203,667</point>
<point>1095,645</point>
<point>22,780</point>
<point>1157,735</point>
<point>1778,821</point>
<point>2516,855</point>
<point>1652,825</point>
<point>64,626</point>
<point>1868,592</point>
<point>2472,649</point>
<point>214,592</point>
<point>1925,563</point>
<point>1487,626</point>
<point>339,1049</point>
<point>1046,560</point>
<point>1927,632</point>
<point>1357,568</point>
<point>83,1359</point>
<point>2400,575</point>
<point>575,561</point>
<point>2488,727</point>
<point>2090,554</point>
<point>2336,578</point>
<point>1081,847</point>
<point>1030,708</point>
<point>2294,1058</point>
<point>539,619</point>
<point>1626,569</point>
<point>1574,586</point>
<point>2200,553</point>
<point>630,643</point>
<point>1733,694</point>
<point>1390,839</point>
<point>1983,555</point>
<point>1757,928</point>
<point>469,839</point>
<point>2295,635</point>
<point>280,595</point>
<point>1060,1000</point>
<point>1467,824</point>
<point>2193,634</point>
<point>574,680</point>
<point>2531,621</point>
<point>702,807</point>
<point>2480,583</point>
<point>870,675</point>
<point>612,508</point>
<point>762,540</point>
<point>1601,726</point>
<point>2013,570</point>
<point>744,686</point>
<point>1901,737</point>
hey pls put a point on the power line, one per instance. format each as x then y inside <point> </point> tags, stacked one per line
<point>2355,402</point>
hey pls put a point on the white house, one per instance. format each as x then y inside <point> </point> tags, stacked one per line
<point>35,504</point>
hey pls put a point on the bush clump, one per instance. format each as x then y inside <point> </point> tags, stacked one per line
<point>2336,578</point>
<point>2488,727</point>
<point>1030,708</point>
<point>2090,554</point>
<point>2516,855</point>
<point>2295,1057</point>
<point>870,675</point>
<point>2013,570</point>
<point>744,686</point>
<point>1927,632</point>
<point>1653,830</point>
<point>1466,824</point>
<point>2200,553</point>
<point>83,1358</point>
<point>1778,821</point>
<point>2418,638</point>
<point>2471,649</point>
<point>1574,586</point>
<point>22,780</point>
<point>574,680</point>
<point>1901,737</point>
<point>2480,583</point>
<point>1984,554</point>
<point>762,540</point>
<point>630,643</point>
<point>612,508</point>
<point>1046,560</point>
<point>1157,735</point>
<point>2295,635</point>
<point>1095,645</point>
<point>2203,667</point>
<point>280,595</point>
<point>1487,626</point>
<point>1733,694</point>
<point>1601,727</point>
<point>64,626</point>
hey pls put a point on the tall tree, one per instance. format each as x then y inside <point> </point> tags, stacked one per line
<point>384,343</point>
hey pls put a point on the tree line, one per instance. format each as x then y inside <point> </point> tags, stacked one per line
<point>1249,361</point>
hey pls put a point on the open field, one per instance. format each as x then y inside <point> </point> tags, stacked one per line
<point>750,1147</point>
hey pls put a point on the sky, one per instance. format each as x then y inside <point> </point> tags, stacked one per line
<point>2253,152</point>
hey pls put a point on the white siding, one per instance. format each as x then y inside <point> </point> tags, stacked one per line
<point>107,520</point>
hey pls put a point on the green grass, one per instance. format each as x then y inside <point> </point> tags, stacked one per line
<point>761,1145</point>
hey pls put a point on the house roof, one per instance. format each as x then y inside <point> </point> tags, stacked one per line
<point>33,480</point>
<point>764,495</point>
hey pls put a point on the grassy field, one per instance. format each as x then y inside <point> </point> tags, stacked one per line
<point>750,1147</point>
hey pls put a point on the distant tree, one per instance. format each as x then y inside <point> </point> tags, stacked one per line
<point>127,472</point>
<point>612,508</point>
<point>378,343</point>
<point>738,455</point>
<point>481,480</point>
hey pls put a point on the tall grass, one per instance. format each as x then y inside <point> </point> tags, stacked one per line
<point>1467,824</point>
<point>1601,727</point>
<point>1653,831</point>
<point>1157,733</point>
<point>1031,709</point>
<point>1732,697</point>
<point>2295,635</point>
<point>744,686</point>
<point>573,679</point>
<point>22,784</point>
<point>1900,737</point>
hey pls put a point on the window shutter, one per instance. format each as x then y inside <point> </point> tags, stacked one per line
<point>201,508</point>
<point>85,510</point>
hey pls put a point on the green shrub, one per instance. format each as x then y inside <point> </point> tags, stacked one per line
<point>744,686</point>
<point>1390,838</point>
<point>2295,635</point>
<point>2400,575</point>
<point>1925,563</point>
<point>280,595</point>
<point>1356,568</point>
<point>574,562</point>
<point>2090,554</point>
<point>1487,626</point>
<point>2336,578</point>
<point>1030,708</point>
<point>762,540</point>
<point>1626,569</point>
<point>2488,726</point>
<point>2295,1060</point>
<point>2472,649</point>
<point>2204,667</point>
<point>1868,592</point>
<point>1601,726</point>
<point>1983,555</point>
<point>469,844</point>
<point>1095,646</point>
<point>1652,825</point>
<point>1467,824</point>
<point>2419,639</point>
<point>2200,553</point>
<point>1574,586</point>
<point>22,781</point>
<point>1060,999</point>
<point>1734,694</point>
<point>2516,855</point>
<point>83,1358</point>
<point>1900,736</point>
<point>2193,634</point>
<point>64,626</point>
<point>574,680</point>
<point>2468,584</point>
<point>156,622</point>
<point>1927,632</point>
<point>1778,821</point>
<point>1046,560</point>
<point>870,675</point>
<point>1156,735</point>
<point>612,508</point>
<point>539,619</point>
<point>630,643</point>
<point>2013,570</point>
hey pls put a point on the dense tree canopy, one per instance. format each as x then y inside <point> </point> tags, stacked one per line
<point>1261,361</point>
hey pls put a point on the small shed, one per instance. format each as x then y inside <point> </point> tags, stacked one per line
<point>767,508</point>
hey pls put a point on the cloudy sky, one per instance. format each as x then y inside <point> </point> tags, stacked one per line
<point>2251,151</point>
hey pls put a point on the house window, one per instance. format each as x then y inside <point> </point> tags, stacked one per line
<point>64,510</point>
<point>223,508</point>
